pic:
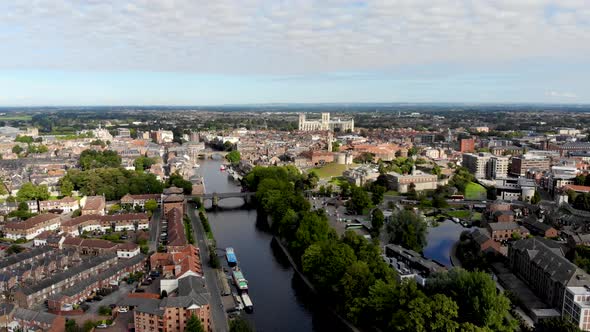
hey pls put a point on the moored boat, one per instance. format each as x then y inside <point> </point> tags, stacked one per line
<point>230,255</point>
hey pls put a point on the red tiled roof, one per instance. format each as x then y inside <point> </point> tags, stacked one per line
<point>33,221</point>
<point>577,188</point>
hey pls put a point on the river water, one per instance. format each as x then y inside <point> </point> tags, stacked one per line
<point>281,300</point>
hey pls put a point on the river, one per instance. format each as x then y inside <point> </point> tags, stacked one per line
<point>281,300</point>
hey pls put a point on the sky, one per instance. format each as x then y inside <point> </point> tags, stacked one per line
<point>191,52</point>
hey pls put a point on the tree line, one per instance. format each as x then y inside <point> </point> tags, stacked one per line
<point>350,272</point>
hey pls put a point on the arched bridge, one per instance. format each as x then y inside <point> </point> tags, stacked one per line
<point>206,154</point>
<point>216,197</point>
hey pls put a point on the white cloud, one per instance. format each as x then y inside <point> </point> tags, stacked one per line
<point>289,37</point>
<point>562,94</point>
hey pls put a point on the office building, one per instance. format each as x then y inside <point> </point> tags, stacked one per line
<point>520,165</point>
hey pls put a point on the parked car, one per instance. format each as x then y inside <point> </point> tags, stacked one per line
<point>102,326</point>
<point>123,309</point>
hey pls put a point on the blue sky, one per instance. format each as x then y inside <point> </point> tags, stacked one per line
<point>62,52</point>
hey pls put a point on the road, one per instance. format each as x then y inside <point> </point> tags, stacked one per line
<point>217,312</point>
<point>155,230</point>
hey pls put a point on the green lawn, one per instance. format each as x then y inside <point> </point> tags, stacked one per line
<point>391,193</point>
<point>475,191</point>
<point>16,117</point>
<point>330,170</point>
<point>459,214</point>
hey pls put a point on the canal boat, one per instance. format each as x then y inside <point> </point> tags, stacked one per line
<point>248,306</point>
<point>239,280</point>
<point>230,255</point>
<point>222,167</point>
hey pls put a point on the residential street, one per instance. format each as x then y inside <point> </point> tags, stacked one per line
<point>218,315</point>
<point>155,230</point>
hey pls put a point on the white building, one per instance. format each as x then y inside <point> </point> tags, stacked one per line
<point>576,306</point>
<point>486,165</point>
<point>325,123</point>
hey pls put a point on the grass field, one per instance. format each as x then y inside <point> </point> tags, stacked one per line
<point>463,214</point>
<point>330,170</point>
<point>15,118</point>
<point>391,193</point>
<point>475,191</point>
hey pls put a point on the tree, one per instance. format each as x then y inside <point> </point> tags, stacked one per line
<point>194,325</point>
<point>556,325</point>
<point>233,157</point>
<point>228,146</point>
<point>377,219</point>
<point>142,163</point>
<point>536,198</point>
<point>17,149</point>
<point>359,200</point>
<point>29,191</point>
<point>335,146</point>
<point>114,208</point>
<point>66,187</point>
<point>151,205</point>
<point>475,293</point>
<point>377,193</point>
<point>326,262</point>
<point>364,158</point>
<point>14,249</point>
<point>90,159</point>
<point>177,180</point>
<point>239,324</point>
<point>407,230</point>
<point>491,193</point>
<point>412,194</point>
<point>24,139</point>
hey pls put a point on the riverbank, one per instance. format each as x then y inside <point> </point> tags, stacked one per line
<point>343,320</point>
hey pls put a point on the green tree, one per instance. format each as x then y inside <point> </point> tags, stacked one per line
<point>17,149</point>
<point>239,324</point>
<point>556,325</point>
<point>407,230</point>
<point>151,205</point>
<point>14,249</point>
<point>66,187</point>
<point>335,146</point>
<point>194,324</point>
<point>359,200</point>
<point>536,199</point>
<point>377,193</point>
<point>90,159</point>
<point>177,180</point>
<point>313,228</point>
<point>377,220</point>
<point>491,193</point>
<point>412,194</point>
<point>475,293</point>
<point>114,208</point>
<point>142,163</point>
<point>326,262</point>
<point>24,139</point>
<point>233,157</point>
<point>29,191</point>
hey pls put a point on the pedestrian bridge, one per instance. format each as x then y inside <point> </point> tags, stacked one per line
<point>216,197</point>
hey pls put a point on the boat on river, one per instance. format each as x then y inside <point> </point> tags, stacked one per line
<point>239,280</point>
<point>248,306</point>
<point>222,167</point>
<point>230,255</point>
